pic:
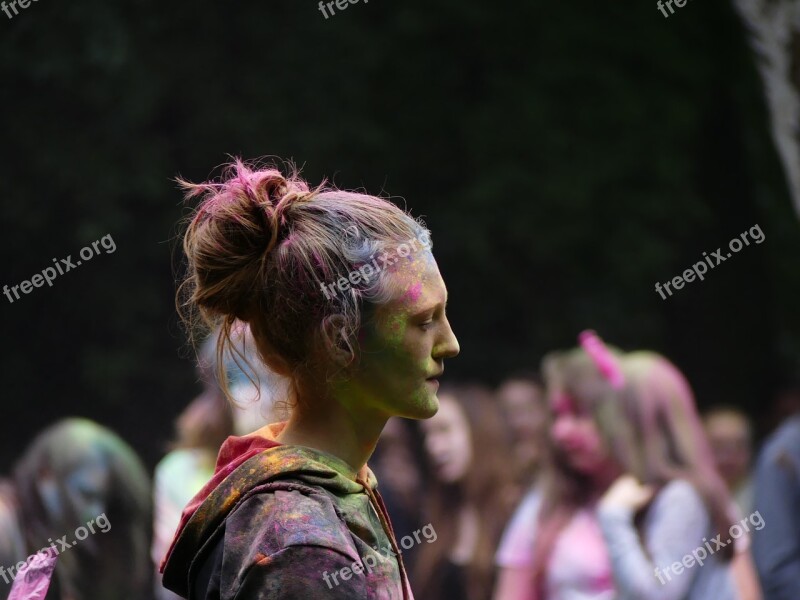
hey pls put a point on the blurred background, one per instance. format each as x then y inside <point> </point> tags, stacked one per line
<point>567,156</point>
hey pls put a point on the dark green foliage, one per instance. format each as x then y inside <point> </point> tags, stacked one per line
<point>567,156</point>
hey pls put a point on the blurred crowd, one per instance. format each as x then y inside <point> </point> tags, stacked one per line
<point>591,476</point>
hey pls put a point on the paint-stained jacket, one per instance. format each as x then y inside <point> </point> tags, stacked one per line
<point>281,522</point>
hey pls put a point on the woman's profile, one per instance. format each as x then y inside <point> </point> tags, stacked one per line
<point>342,296</point>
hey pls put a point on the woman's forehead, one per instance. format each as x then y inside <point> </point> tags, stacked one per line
<point>417,282</point>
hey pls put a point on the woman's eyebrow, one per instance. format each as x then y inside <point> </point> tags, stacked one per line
<point>429,308</point>
<point>432,306</point>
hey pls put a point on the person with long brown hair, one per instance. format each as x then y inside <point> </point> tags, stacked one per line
<point>343,296</point>
<point>471,496</point>
<point>630,492</point>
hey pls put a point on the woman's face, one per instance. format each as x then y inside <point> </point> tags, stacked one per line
<point>404,343</point>
<point>448,441</point>
<point>576,436</point>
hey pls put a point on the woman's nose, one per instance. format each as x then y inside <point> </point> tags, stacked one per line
<point>448,347</point>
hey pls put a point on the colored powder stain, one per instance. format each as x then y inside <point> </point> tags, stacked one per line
<point>396,328</point>
<point>230,500</point>
<point>413,293</point>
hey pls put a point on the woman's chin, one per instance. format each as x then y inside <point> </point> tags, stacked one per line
<point>426,406</point>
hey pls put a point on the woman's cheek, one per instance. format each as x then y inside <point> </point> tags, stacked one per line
<point>395,330</point>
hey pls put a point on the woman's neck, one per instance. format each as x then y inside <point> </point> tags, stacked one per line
<point>335,431</point>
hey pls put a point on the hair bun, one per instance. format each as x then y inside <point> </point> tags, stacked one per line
<point>270,192</point>
<point>234,229</point>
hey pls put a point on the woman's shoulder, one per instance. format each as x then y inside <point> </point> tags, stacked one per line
<point>678,492</point>
<point>285,516</point>
<point>678,500</point>
<point>290,538</point>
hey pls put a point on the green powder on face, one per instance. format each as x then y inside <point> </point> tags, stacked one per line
<point>395,328</point>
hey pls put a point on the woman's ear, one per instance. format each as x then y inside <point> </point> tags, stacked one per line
<point>336,340</point>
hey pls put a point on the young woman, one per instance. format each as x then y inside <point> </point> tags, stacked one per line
<point>471,498</point>
<point>343,296</point>
<point>630,493</point>
<point>660,401</point>
<point>553,548</point>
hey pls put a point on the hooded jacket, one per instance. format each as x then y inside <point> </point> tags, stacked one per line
<point>283,522</point>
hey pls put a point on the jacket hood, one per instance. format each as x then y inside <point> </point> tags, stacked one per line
<point>244,464</point>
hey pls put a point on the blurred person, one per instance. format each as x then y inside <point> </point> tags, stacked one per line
<point>630,491</point>
<point>397,464</point>
<point>73,473</point>
<point>471,496</point>
<point>292,510</point>
<point>12,537</point>
<point>523,402</point>
<point>560,516</point>
<point>259,394</point>
<point>786,402</point>
<point>730,433</point>
<point>202,428</point>
<point>777,498</point>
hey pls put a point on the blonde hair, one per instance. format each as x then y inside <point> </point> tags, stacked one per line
<point>665,429</point>
<point>260,249</point>
<point>664,437</point>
